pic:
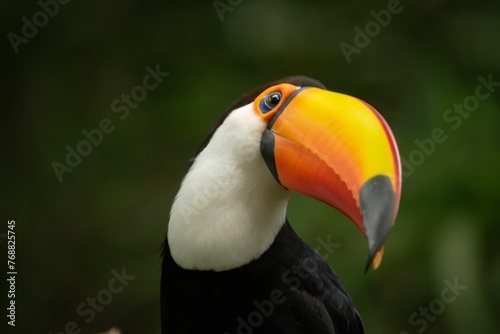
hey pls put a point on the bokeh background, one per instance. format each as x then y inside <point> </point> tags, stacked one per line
<point>111,211</point>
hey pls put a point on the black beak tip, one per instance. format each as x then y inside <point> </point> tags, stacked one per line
<point>371,256</point>
<point>378,204</point>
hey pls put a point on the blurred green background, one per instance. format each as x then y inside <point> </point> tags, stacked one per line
<point>111,211</point>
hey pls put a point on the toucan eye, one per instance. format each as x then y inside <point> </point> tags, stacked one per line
<point>269,102</point>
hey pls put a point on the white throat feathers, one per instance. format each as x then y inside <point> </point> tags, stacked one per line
<point>229,208</point>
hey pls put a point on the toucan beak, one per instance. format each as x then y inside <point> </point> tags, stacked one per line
<point>339,150</point>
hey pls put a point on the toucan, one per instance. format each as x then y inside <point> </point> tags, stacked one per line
<point>232,264</point>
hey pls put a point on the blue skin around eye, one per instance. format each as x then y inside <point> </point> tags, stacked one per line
<point>264,107</point>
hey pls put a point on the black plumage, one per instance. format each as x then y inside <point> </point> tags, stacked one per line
<point>305,293</point>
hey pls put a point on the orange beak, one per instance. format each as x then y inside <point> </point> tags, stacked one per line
<point>339,150</point>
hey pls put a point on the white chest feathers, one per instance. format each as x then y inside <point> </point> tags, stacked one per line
<point>229,208</point>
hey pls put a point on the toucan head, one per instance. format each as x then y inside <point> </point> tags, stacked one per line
<point>291,135</point>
